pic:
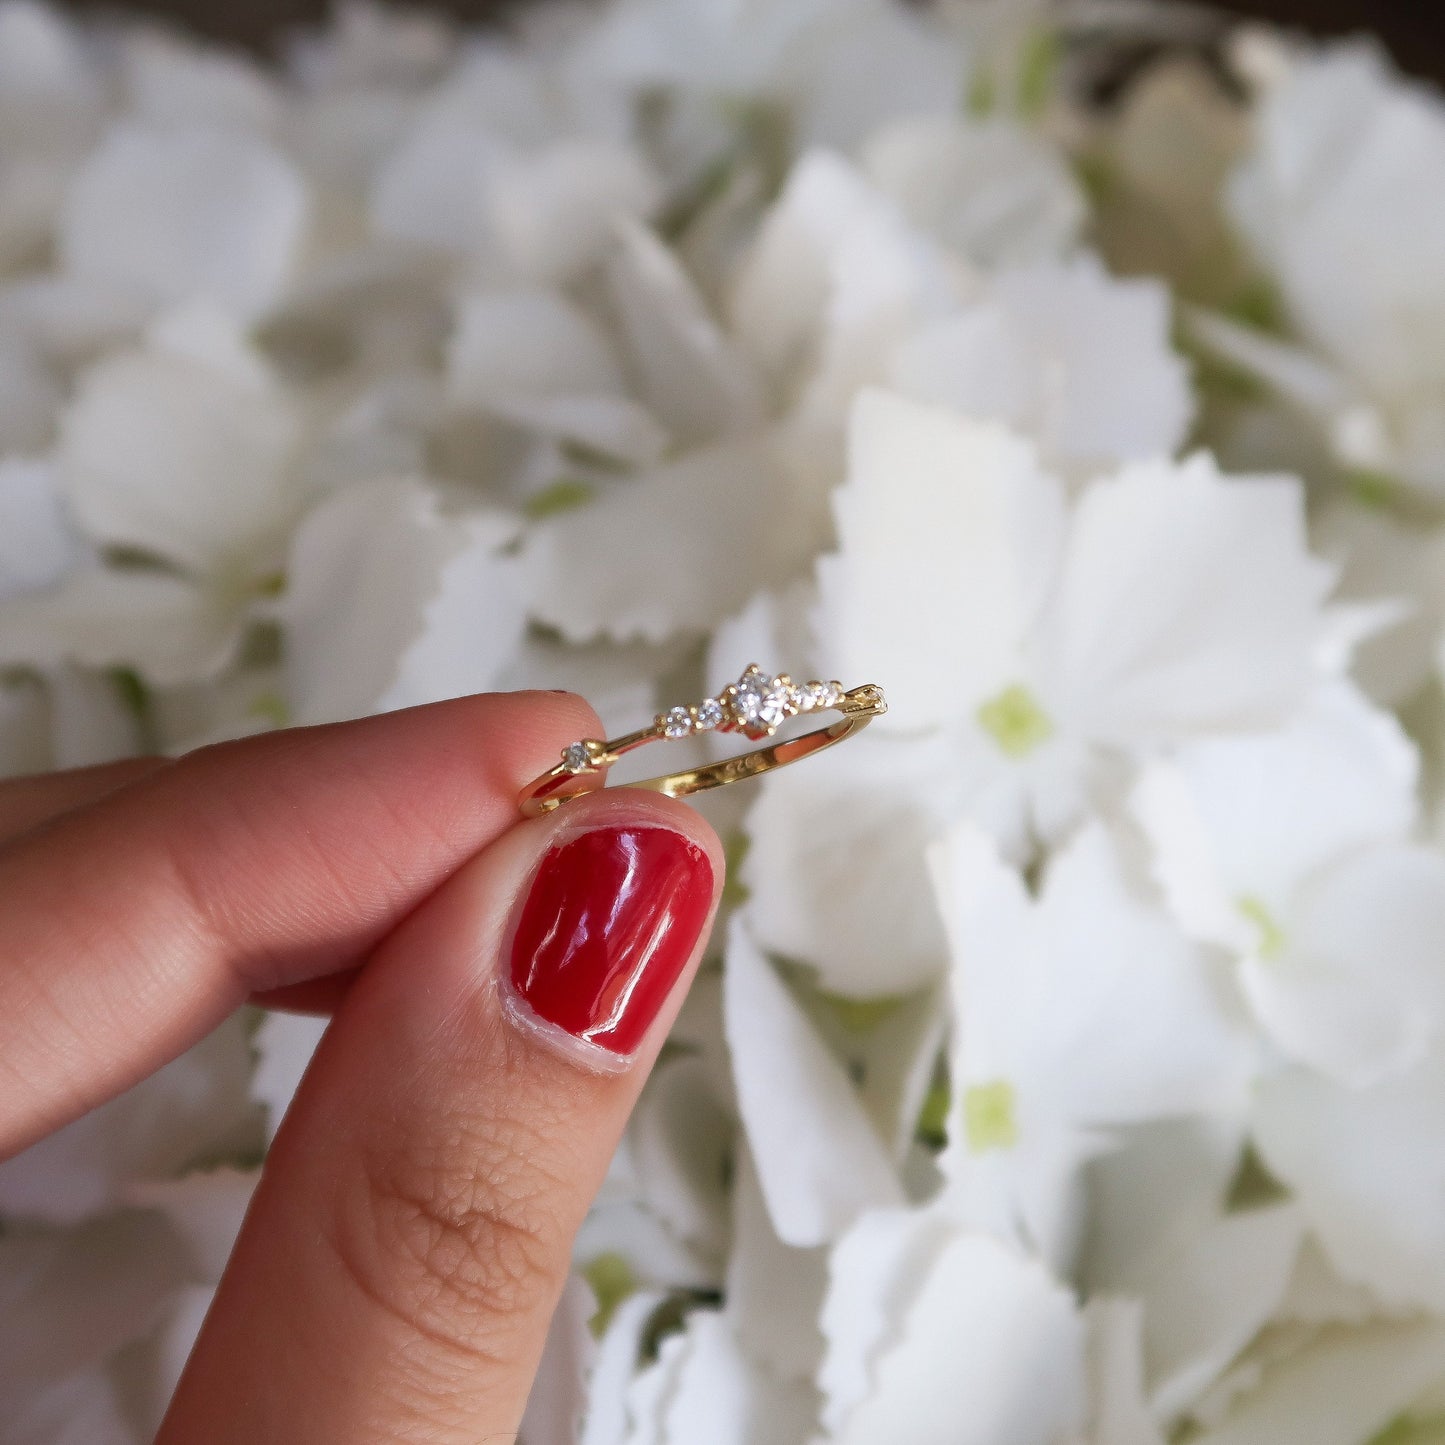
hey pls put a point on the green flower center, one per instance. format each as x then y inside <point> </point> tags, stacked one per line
<point>1015,721</point>
<point>1269,935</point>
<point>988,1117</point>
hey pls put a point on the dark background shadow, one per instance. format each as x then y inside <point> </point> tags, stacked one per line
<point>1414,30</point>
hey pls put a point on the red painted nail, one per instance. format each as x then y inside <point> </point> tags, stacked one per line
<point>609,922</point>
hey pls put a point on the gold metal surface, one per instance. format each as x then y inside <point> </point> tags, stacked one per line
<point>560,784</point>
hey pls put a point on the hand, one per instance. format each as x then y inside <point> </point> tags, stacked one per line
<point>412,1227</point>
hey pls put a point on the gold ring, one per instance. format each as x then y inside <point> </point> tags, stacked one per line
<point>756,705</point>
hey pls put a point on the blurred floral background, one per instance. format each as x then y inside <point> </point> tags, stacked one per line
<point>1076,372</point>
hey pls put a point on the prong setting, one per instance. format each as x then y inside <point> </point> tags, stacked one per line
<point>756,705</point>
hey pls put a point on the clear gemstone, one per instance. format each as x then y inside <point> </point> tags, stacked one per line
<point>576,758</point>
<point>710,714</point>
<point>677,722</point>
<point>831,695</point>
<point>761,702</point>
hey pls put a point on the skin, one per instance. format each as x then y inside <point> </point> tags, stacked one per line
<point>413,1225</point>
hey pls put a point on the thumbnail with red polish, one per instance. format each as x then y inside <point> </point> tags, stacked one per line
<point>609,923</point>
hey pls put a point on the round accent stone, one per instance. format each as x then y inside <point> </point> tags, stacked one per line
<point>710,714</point>
<point>576,758</point>
<point>677,722</point>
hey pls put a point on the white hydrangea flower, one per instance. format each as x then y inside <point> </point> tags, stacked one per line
<point>1364,1166</point>
<point>1035,983</point>
<point>1338,198</point>
<point>431,362</point>
<point>1073,651</point>
<point>1207,1277</point>
<point>177,453</point>
<point>52,102</point>
<point>186,213</point>
<point>936,1333</point>
<point>835,70</point>
<point>1291,850</point>
<point>992,191</point>
<point>1346,1387</point>
<point>820,1159</point>
<point>196,1108</point>
<point>390,603</point>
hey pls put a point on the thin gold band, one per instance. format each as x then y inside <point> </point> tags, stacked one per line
<point>584,764</point>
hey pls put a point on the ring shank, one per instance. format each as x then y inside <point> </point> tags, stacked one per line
<point>553,789</point>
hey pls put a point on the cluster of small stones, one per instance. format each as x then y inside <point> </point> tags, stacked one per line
<point>756,705</point>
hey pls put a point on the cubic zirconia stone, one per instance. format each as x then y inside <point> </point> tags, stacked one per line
<point>761,704</point>
<point>710,714</point>
<point>677,722</point>
<point>576,758</point>
<point>832,694</point>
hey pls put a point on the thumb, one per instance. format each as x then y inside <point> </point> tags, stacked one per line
<point>413,1225</point>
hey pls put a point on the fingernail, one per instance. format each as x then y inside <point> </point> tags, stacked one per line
<point>609,922</point>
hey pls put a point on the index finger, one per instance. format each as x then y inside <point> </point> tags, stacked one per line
<point>130,928</point>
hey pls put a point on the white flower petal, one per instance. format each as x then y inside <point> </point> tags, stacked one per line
<point>483,172</point>
<point>834,273</point>
<point>990,1353</point>
<point>940,518</point>
<point>678,1145</point>
<point>619,680</point>
<point>821,889</point>
<point>1210,1297</point>
<point>819,1160</point>
<point>1346,1388</point>
<point>1337,200</point>
<point>24,729</point>
<point>1119,1413</point>
<point>84,1408</point>
<point>1318,1296</point>
<point>168,1351</point>
<point>721,1397</point>
<point>553,210</point>
<point>1358,990</point>
<point>284,1044</point>
<point>1251,816</point>
<point>70,1298</point>
<point>186,213</point>
<point>1080,361</point>
<point>168,629</point>
<point>171,82</point>
<point>206,1208</point>
<point>690,374</point>
<point>868,63</point>
<point>195,1108</point>
<point>182,457</point>
<point>994,191</point>
<point>875,1269</point>
<point>390,602</point>
<point>1186,601</point>
<point>558,1399</point>
<point>91,719</point>
<point>676,550</point>
<point>613,1370</point>
<point>30,395</point>
<point>37,545</point>
<point>773,1292</point>
<point>1386,561</point>
<point>528,344</point>
<point>1037,982</point>
<point>1367,1172</point>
